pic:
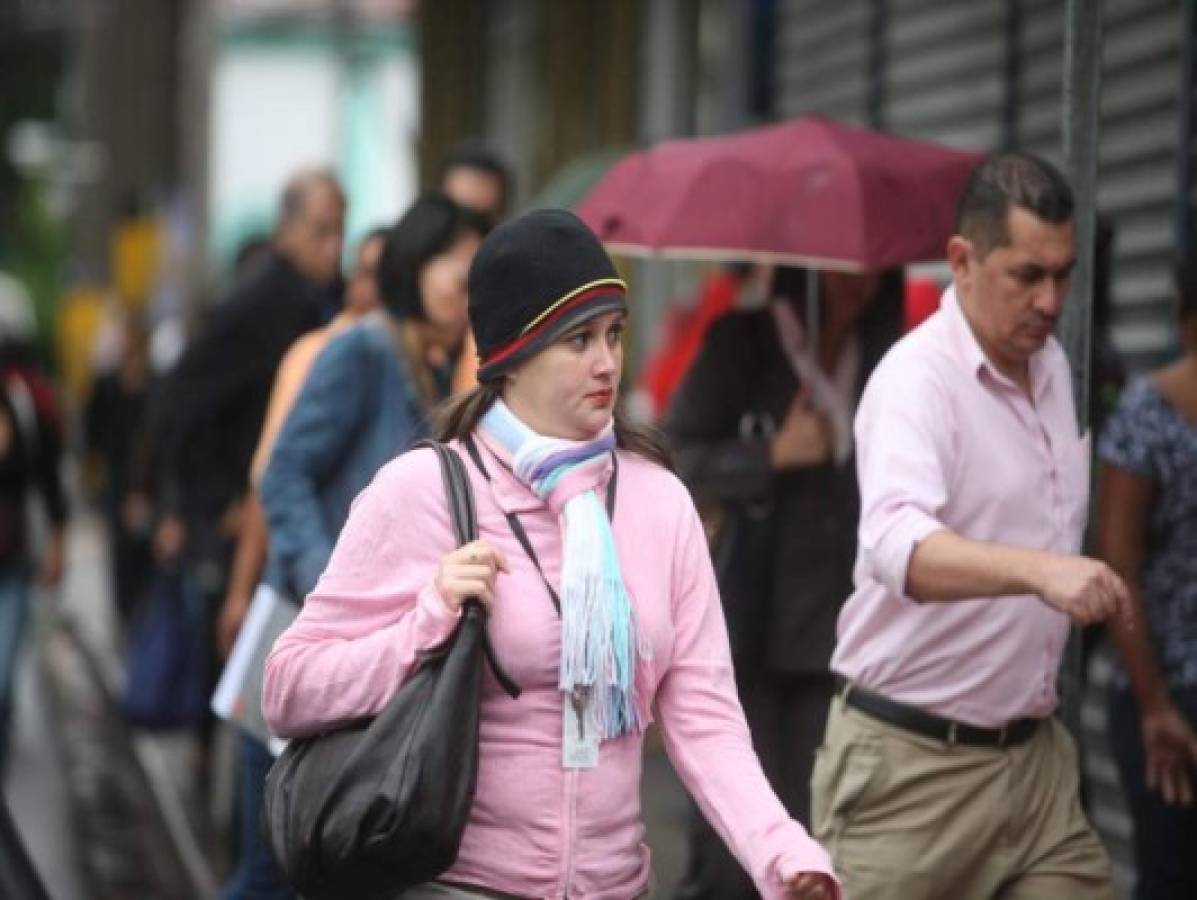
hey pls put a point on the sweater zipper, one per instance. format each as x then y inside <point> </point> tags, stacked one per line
<point>571,828</point>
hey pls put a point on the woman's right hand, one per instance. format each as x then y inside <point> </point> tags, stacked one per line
<point>469,572</point>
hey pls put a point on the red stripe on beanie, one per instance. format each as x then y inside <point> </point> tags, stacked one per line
<point>512,347</point>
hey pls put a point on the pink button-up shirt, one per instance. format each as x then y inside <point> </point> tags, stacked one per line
<point>537,830</point>
<point>945,441</point>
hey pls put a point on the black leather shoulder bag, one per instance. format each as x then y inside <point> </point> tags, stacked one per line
<point>379,806</point>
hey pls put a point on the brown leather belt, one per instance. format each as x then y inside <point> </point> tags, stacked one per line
<point>913,719</point>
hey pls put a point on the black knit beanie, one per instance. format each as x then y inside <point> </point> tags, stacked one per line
<point>533,279</point>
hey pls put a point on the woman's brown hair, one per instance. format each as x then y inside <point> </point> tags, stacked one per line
<point>458,417</point>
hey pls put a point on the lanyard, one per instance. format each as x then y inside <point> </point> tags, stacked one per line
<point>517,526</point>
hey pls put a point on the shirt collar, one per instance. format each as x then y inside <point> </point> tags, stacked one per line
<point>972,356</point>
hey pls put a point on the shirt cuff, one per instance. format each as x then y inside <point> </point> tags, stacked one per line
<point>812,858</point>
<point>434,620</point>
<point>889,559</point>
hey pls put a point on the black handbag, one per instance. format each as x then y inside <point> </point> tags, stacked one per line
<point>374,808</point>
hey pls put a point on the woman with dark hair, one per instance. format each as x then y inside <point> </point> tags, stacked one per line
<point>1147,532</point>
<point>256,874</point>
<point>602,603</point>
<point>369,392</point>
<point>365,398</point>
<point>762,429</point>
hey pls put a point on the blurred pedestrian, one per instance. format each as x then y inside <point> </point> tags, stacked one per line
<point>552,815</point>
<point>369,392</point>
<point>30,459</point>
<point>209,409</point>
<point>1147,531</point>
<point>943,772</point>
<point>366,398</point>
<point>256,874</point>
<point>762,425</point>
<point>362,297</point>
<point>114,423</point>
<point>474,176</point>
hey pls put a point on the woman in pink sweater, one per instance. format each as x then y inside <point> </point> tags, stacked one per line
<point>603,607</point>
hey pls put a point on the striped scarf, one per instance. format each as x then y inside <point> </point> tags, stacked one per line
<point>600,649</point>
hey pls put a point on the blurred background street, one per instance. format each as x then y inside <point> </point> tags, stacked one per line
<point>145,146</point>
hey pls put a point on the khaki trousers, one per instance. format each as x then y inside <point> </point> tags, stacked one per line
<point>912,818</point>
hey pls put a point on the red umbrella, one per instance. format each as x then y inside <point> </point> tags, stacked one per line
<point>807,192</point>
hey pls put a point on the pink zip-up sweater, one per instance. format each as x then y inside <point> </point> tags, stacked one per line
<point>537,830</point>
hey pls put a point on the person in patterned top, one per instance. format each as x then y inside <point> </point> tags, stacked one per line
<point>1147,531</point>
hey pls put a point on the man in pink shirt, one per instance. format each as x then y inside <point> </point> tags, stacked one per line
<point>943,773</point>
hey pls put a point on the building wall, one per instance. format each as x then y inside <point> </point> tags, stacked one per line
<point>287,97</point>
<point>987,74</point>
<point>542,81</point>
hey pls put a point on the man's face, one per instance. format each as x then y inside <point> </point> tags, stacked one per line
<point>1014,295</point>
<point>475,189</point>
<point>312,240</point>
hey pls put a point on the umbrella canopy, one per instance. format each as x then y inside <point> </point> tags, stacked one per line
<point>807,192</point>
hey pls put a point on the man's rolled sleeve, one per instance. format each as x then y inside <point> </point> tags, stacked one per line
<point>904,434</point>
<point>889,559</point>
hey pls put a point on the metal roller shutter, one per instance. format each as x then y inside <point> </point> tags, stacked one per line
<point>1138,182</point>
<point>944,71</point>
<point>823,59</point>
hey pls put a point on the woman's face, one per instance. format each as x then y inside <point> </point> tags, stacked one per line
<point>443,290</point>
<point>568,390</point>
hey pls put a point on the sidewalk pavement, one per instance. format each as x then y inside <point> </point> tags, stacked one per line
<point>36,790</point>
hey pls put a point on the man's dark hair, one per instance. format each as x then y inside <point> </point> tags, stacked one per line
<point>430,226</point>
<point>474,154</point>
<point>299,188</point>
<point>1008,180</point>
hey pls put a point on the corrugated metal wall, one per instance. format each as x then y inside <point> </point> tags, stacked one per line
<point>944,73</point>
<point>987,74</point>
<point>823,59</point>
<point>1139,166</point>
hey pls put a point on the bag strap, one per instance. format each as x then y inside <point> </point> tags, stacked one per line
<point>464,516</point>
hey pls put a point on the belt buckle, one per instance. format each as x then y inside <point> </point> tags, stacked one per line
<point>952,733</point>
<point>1003,733</point>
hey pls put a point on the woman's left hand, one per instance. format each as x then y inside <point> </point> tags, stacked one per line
<point>810,886</point>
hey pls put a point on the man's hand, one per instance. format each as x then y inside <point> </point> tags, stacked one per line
<point>1170,752</point>
<point>1085,590</point>
<point>810,886</point>
<point>804,438</point>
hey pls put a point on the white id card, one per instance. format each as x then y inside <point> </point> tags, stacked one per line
<point>579,741</point>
